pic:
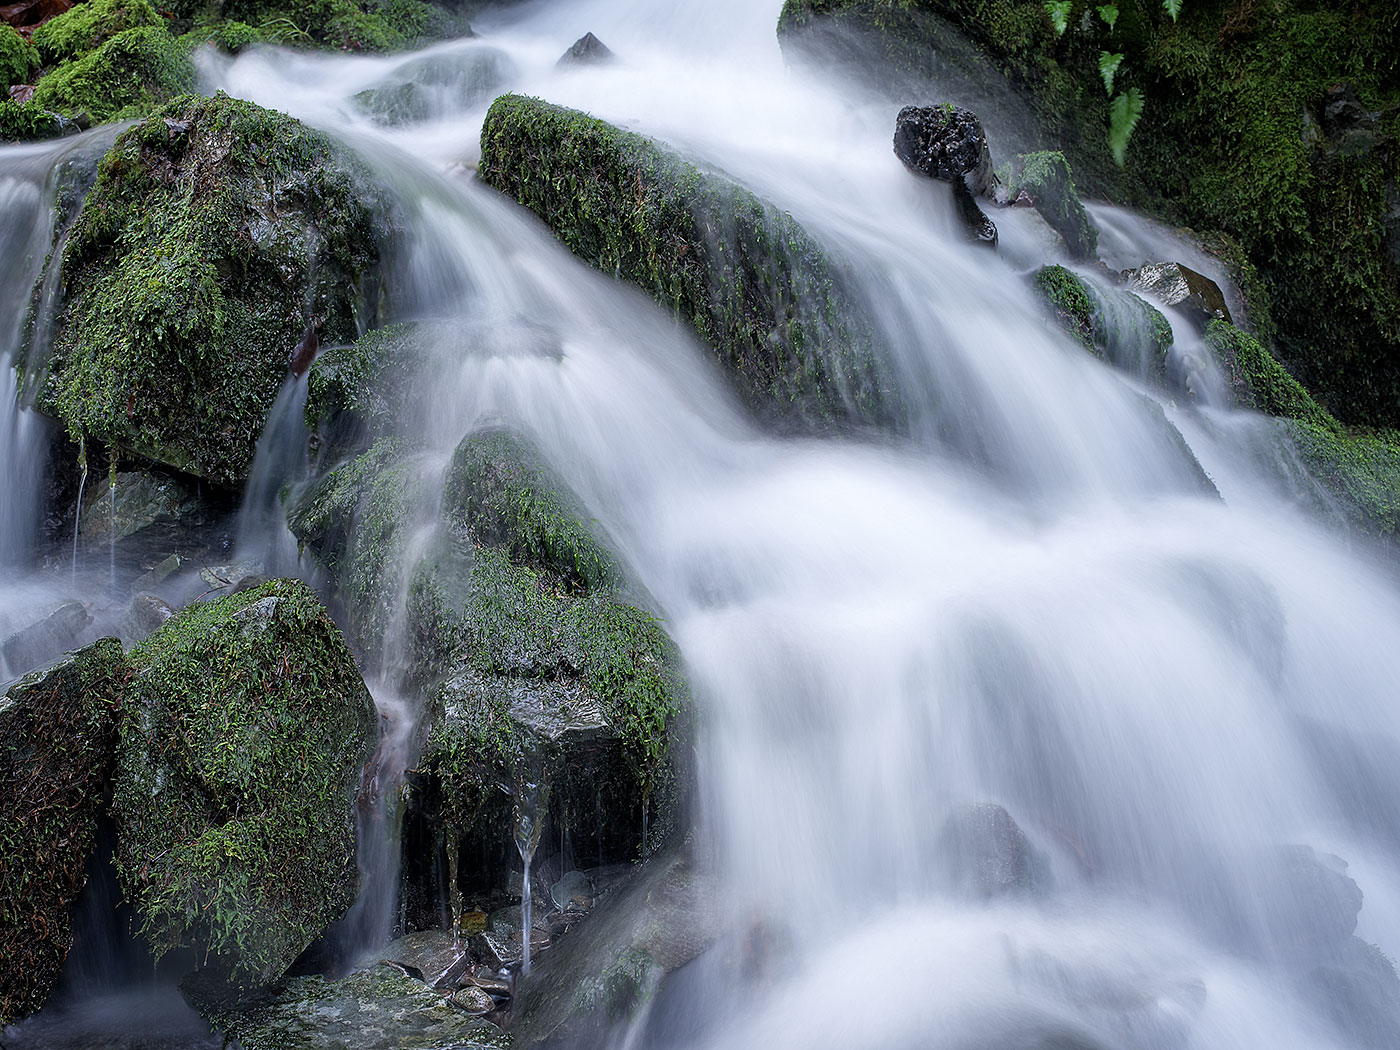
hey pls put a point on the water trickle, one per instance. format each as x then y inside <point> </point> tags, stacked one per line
<point>531,802</point>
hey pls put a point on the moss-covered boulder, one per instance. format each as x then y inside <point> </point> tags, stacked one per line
<point>215,231</point>
<point>753,283</point>
<point>1045,179</point>
<point>57,733</point>
<point>17,58</point>
<point>1258,381</point>
<point>128,76</point>
<point>245,730</point>
<point>362,391</point>
<point>26,122</point>
<point>437,85</point>
<point>85,26</point>
<point>1114,325</point>
<point>346,25</point>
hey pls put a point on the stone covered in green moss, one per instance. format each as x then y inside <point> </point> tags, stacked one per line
<point>436,85</point>
<point>1360,469</point>
<point>1119,327</point>
<point>57,733</point>
<point>214,229</point>
<point>229,37</point>
<point>245,730</point>
<point>17,58</point>
<point>753,283</point>
<point>128,76</point>
<point>349,25</point>
<point>86,26</point>
<point>27,122</point>
<point>370,381</point>
<point>1258,381</point>
<point>1045,177</point>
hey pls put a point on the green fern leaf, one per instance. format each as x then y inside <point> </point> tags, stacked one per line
<point>1173,7</point>
<point>1123,116</point>
<point>1109,13</point>
<point>1059,14</point>
<point>1108,67</point>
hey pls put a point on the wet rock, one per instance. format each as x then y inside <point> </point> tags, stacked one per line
<point>573,884</point>
<point>45,640</point>
<point>432,953</point>
<point>985,853</point>
<point>146,614</point>
<point>1173,284</point>
<point>1044,180</point>
<point>437,85</point>
<point>245,731</point>
<point>57,732</point>
<point>159,573</point>
<point>758,289</point>
<point>473,1000</point>
<point>1306,904</point>
<point>501,949</point>
<point>183,370</point>
<point>945,142</point>
<point>1257,379</point>
<point>375,1009</point>
<point>1360,991</point>
<point>587,50</point>
<point>33,12</point>
<point>141,499</point>
<point>980,229</point>
<point>1117,326</point>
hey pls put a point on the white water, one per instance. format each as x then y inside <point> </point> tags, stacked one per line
<point>1025,601</point>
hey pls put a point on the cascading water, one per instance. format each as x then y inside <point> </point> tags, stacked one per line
<point>1184,701</point>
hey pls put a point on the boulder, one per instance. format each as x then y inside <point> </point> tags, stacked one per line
<point>144,616</point>
<point>45,639</point>
<point>1044,179</point>
<point>759,290</point>
<point>180,309</point>
<point>1306,905</point>
<point>437,85</point>
<point>1173,284</point>
<point>587,50</point>
<point>979,228</point>
<point>1117,326</point>
<point>1257,380</point>
<point>945,142</point>
<point>128,76</point>
<point>141,499</point>
<point>985,853</point>
<point>245,730</point>
<point>89,25</point>
<point>57,733</point>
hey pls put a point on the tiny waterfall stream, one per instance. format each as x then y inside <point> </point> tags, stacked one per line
<point>1027,600</point>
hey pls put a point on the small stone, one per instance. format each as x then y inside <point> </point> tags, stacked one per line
<point>945,142</point>
<point>45,640</point>
<point>586,50</point>
<point>473,1000</point>
<point>571,885</point>
<point>1173,284</point>
<point>144,615</point>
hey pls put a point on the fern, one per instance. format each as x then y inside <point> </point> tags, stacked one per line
<point>1123,116</point>
<point>1109,13</point>
<point>1173,7</point>
<point>1059,14</point>
<point>1108,67</point>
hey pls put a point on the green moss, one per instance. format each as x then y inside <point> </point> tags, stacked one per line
<point>1045,176</point>
<point>128,76</point>
<point>57,734</point>
<point>1114,325</point>
<point>1068,297</point>
<point>754,285</point>
<point>1259,381</point>
<point>245,729</point>
<point>368,25</point>
<point>503,495</point>
<point>184,300</point>
<point>371,379</point>
<point>27,122</point>
<point>230,37</point>
<point>17,58</point>
<point>1360,469</point>
<point>87,25</point>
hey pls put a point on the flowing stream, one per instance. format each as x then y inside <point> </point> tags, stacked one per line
<point>1185,700</point>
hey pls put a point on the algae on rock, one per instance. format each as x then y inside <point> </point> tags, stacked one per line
<point>216,231</point>
<point>752,282</point>
<point>245,730</point>
<point>57,734</point>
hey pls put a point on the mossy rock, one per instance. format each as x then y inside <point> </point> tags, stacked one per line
<point>753,283</point>
<point>128,76</point>
<point>1116,326</point>
<point>214,229</point>
<point>18,58</point>
<point>245,731</point>
<point>1258,381</point>
<point>28,123</point>
<point>363,391</point>
<point>229,37</point>
<point>436,85</point>
<point>347,25</point>
<point>57,735</point>
<point>1045,177</point>
<point>85,26</point>
<point>375,1009</point>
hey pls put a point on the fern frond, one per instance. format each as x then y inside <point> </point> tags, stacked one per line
<point>1059,14</point>
<point>1173,7</point>
<point>1108,67</point>
<point>1123,116</point>
<point>1109,13</point>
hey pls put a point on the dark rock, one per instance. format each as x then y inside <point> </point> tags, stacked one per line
<point>437,85</point>
<point>55,634</point>
<point>1342,111</point>
<point>587,50</point>
<point>986,854</point>
<point>1044,179</point>
<point>141,499</point>
<point>244,734</point>
<point>473,1000</point>
<point>57,732</point>
<point>432,953</point>
<point>945,142</point>
<point>1173,284</point>
<point>572,884</point>
<point>33,12</point>
<point>979,228</point>
<point>144,615</point>
<point>159,573</point>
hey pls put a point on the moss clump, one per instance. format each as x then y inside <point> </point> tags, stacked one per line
<point>1258,381</point>
<point>370,380</point>
<point>126,77</point>
<point>244,733</point>
<point>349,25</point>
<point>229,37</point>
<point>1116,326</point>
<point>57,733</point>
<point>1046,178</point>
<point>503,495</point>
<point>1361,469</point>
<point>27,122</point>
<point>85,26</point>
<point>755,286</point>
<point>214,230</point>
<point>17,57</point>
